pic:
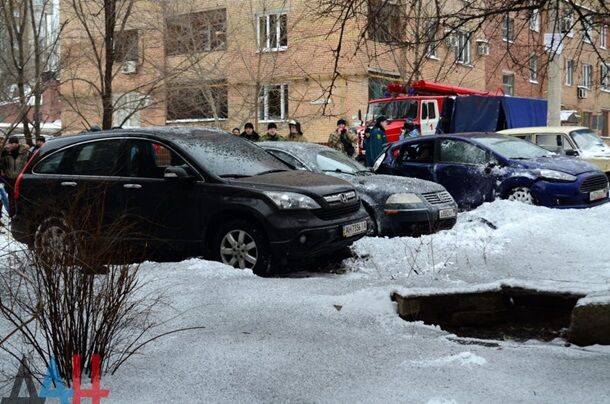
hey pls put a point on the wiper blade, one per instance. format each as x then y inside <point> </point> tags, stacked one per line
<point>233,176</point>
<point>271,172</point>
<point>338,170</point>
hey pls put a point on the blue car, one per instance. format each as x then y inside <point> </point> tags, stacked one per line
<point>480,167</point>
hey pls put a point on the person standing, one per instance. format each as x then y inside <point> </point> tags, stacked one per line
<point>296,134</point>
<point>272,135</point>
<point>342,139</point>
<point>249,132</point>
<point>408,130</point>
<point>12,161</point>
<point>39,142</point>
<point>236,132</point>
<point>374,141</point>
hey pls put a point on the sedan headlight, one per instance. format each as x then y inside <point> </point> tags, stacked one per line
<point>291,200</point>
<point>401,199</point>
<point>555,175</point>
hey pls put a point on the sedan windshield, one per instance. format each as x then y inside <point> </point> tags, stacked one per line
<point>397,109</point>
<point>513,148</point>
<point>233,157</point>
<point>331,161</point>
<point>587,140</point>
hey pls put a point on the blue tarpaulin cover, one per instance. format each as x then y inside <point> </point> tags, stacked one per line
<point>474,113</point>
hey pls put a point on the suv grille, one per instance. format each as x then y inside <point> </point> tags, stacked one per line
<point>438,198</point>
<point>594,183</point>
<point>335,213</point>
<point>346,197</point>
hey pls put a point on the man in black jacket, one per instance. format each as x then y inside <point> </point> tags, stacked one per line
<point>249,132</point>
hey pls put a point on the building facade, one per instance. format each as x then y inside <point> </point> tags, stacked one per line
<point>227,62</point>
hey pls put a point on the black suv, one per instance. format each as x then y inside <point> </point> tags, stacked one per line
<point>198,192</point>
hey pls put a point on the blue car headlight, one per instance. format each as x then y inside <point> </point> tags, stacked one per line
<point>554,175</point>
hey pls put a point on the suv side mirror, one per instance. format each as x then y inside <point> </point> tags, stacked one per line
<point>177,173</point>
<point>572,153</point>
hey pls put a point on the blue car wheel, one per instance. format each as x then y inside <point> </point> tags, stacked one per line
<point>521,194</point>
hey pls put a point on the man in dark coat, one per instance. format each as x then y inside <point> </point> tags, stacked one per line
<point>249,132</point>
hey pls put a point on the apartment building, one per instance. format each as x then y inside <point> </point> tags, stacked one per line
<point>227,62</point>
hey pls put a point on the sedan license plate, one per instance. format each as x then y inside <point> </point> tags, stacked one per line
<point>599,194</point>
<point>354,229</point>
<point>447,213</point>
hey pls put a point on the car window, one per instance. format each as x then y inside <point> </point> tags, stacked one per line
<point>331,160</point>
<point>550,141</point>
<point>431,111</point>
<point>420,152</point>
<point>424,110</point>
<point>459,151</point>
<point>287,158</point>
<point>148,159</point>
<point>95,158</point>
<point>52,164</point>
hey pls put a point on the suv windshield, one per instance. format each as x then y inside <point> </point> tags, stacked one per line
<point>587,141</point>
<point>338,162</point>
<point>397,109</point>
<point>232,157</point>
<point>513,148</point>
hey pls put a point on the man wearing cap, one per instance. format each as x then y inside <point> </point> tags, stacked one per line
<point>342,139</point>
<point>12,161</point>
<point>271,135</point>
<point>249,133</point>
<point>296,134</point>
<point>374,141</point>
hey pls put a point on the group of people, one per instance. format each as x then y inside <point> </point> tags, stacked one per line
<point>13,159</point>
<point>376,138</point>
<point>295,133</point>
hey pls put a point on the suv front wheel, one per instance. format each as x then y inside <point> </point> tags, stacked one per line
<point>244,246</point>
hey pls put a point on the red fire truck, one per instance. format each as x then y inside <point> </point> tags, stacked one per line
<point>422,102</point>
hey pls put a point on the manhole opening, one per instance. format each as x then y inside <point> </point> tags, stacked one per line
<point>508,313</point>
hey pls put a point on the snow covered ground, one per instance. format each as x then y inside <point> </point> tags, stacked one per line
<point>324,337</point>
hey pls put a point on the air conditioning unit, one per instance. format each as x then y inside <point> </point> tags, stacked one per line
<point>129,67</point>
<point>482,47</point>
<point>581,93</point>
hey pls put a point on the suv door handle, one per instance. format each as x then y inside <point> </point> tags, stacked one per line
<point>69,184</point>
<point>132,186</point>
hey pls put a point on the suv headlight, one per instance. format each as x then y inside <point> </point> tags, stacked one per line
<point>402,199</point>
<point>555,175</point>
<point>292,200</point>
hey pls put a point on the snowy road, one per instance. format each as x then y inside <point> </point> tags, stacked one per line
<point>319,337</point>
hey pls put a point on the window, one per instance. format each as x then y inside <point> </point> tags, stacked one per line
<point>567,23</point>
<point>551,142</point>
<point>206,100</point>
<point>273,103</point>
<point>420,152</point>
<point>535,20</point>
<point>149,160</point>
<point>384,22</point>
<point>272,32</point>
<point>604,76</point>
<point>377,86</point>
<point>508,28</point>
<point>458,151</point>
<point>534,68</point>
<point>52,165</point>
<point>587,76</point>
<point>127,108</point>
<point>196,32</point>
<point>603,36</point>
<point>288,159</point>
<point>430,37</point>
<point>462,50</point>
<point>508,83</point>
<point>587,29</point>
<point>96,158</point>
<point>126,46</point>
<point>569,70</point>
